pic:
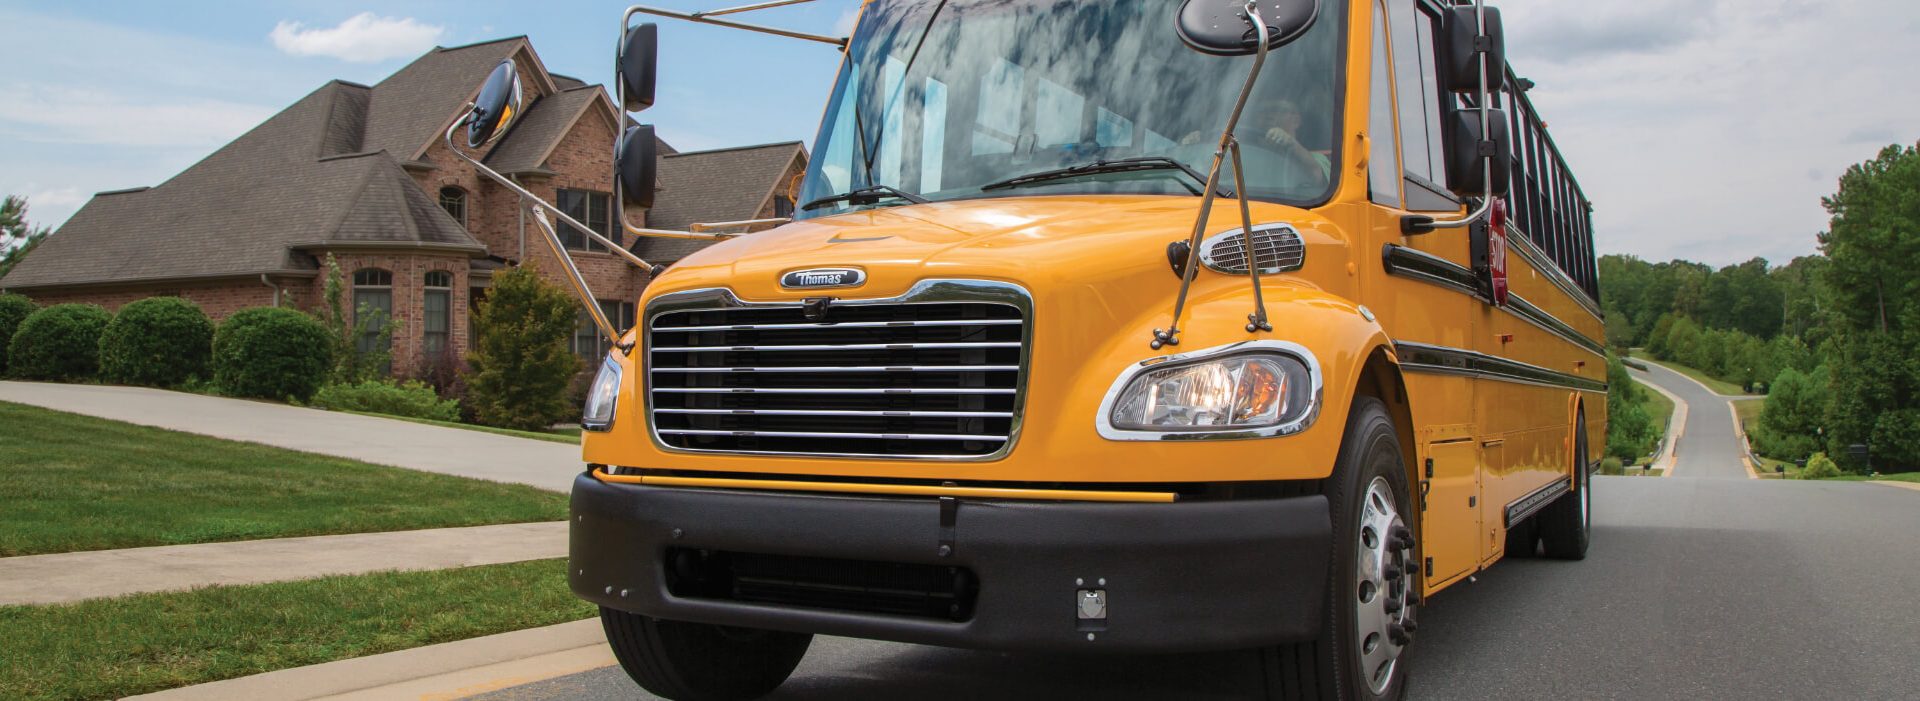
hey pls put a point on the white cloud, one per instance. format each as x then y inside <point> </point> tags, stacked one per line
<point>59,114</point>
<point>362,38</point>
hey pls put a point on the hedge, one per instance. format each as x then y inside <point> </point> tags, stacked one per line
<point>13,310</point>
<point>59,343</point>
<point>157,342</point>
<point>271,353</point>
<point>411,398</point>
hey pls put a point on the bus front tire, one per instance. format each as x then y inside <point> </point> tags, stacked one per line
<point>701,662</point>
<point>1566,525</point>
<point>1372,576</point>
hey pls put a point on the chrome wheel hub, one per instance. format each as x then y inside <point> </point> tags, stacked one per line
<point>1383,605</point>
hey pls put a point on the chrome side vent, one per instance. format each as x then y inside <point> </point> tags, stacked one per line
<point>1276,247</point>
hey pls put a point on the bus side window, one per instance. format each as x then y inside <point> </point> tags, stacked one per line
<point>1383,165</point>
<point>1422,152</point>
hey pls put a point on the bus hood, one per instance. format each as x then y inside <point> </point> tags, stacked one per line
<point>1108,242</point>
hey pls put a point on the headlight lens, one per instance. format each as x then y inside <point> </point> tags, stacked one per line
<point>1240,391</point>
<point>602,397</point>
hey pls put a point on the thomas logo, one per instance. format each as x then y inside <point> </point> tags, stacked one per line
<point>823,277</point>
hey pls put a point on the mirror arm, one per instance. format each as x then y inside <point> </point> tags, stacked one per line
<point>672,233</point>
<point>706,18</point>
<point>717,225</point>
<point>575,279</point>
<point>1257,321</point>
<point>1486,124</point>
<point>749,8</point>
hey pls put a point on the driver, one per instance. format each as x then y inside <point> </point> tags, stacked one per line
<point>1274,146</point>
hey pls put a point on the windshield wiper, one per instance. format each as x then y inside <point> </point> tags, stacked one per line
<point>871,194</point>
<point>1122,165</point>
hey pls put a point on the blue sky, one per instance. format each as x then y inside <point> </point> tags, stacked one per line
<point>1704,129</point>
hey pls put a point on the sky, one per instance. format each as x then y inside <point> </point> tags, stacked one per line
<point>1700,129</point>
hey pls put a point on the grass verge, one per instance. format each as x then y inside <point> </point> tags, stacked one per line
<point>557,435</point>
<point>109,648</point>
<point>1660,409</point>
<point>72,483</point>
<point>1719,386</point>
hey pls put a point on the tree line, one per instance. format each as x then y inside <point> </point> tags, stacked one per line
<point>1830,338</point>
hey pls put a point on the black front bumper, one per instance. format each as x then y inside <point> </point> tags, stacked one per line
<point>1208,575</point>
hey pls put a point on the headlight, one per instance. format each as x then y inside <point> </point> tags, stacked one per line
<point>602,397</point>
<point>1243,388</point>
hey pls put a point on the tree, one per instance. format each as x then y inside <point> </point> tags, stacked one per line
<point>1790,421</point>
<point>520,363</point>
<point>1873,285</point>
<point>17,237</point>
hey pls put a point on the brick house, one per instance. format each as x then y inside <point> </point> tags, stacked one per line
<point>362,173</point>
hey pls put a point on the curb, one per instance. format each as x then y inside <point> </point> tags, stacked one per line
<point>1902,485</point>
<point>1676,426</point>
<point>447,670</point>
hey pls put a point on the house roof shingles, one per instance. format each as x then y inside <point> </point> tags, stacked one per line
<point>546,122</point>
<point>712,186</point>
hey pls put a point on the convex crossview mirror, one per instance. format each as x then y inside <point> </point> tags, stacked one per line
<point>498,104</point>
<point>1220,27</point>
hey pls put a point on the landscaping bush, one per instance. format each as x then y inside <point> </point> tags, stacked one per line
<point>13,310</point>
<point>1819,467</point>
<point>411,398</point>
<point>156,342</point>
<point>1612,466</point>
<point>60,343</point>
<point>271,353</point>
<point>520,363</point>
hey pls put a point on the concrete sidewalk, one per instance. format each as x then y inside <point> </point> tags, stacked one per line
<point>445,671</point>
<point>454,451</point>
<point>66,577</point>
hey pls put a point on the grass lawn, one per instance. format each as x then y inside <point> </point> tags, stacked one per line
<point>71,482</point>
<point>1896,477</point>
<point>109,648</point>
<point>557,435</point>
<point>1717,385</point>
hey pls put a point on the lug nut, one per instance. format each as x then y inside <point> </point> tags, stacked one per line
<point>1410,625</point>
<point>1393,605</point>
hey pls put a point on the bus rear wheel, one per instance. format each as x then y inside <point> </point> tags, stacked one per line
<point>1566,525</point>
<point>701,662</point>
<point>1372,577</point>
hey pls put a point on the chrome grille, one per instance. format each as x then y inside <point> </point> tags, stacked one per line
<point>1277,248</point>
<point>934,374</point>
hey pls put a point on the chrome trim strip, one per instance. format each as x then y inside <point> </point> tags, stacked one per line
<point>830,347</point>
<point>842,412</point>
<point>849,390</point>
<point>847,325</point>
<point>806,434</point>
<point>1420,357</point>
<point>1536,500</point>
<point>1553,273</point>
<point>863,368</point>
<point>938,291</point>
<point>1103,422</point>
<point>1415,264</point>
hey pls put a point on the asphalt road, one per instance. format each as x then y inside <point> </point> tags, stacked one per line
<point>1703,585</point>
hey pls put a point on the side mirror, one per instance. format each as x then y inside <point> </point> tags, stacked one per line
<point>497,106</point>
<point>636,66</point>
<point>1466,172</point>
<point>1221,27</point>
<point>1458,67</point>
<point>636,161</point>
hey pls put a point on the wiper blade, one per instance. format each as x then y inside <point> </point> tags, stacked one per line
<point>871,194</point>
<point>1121,165</point>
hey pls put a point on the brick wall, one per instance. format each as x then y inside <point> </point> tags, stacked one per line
<point>409,298</point>
<point>218,299</point>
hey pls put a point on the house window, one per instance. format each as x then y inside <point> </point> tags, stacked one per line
<point>588,342</point>
<point>593,209</point>
<point>454,200</point>
<point>373,298</point>
<point>782,207</point>
<point>437,311</point>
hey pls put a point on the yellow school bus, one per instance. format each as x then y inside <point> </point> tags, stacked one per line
<point>1105,327</point>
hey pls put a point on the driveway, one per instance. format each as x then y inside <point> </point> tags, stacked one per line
<point>544,464</point>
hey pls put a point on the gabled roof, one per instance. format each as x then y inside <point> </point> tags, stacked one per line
<point>713,186</point>
<point>244,209</point>
<point>546,122</point>
<point>412,107</point>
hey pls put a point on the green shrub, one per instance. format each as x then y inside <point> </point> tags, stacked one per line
<point>157,342</point>
<point>60,343</point>
<point>1819,467</point>
<point>411,398</point>
<point>1612,466</point>
<point>13,310</point>
<point>520,363</point>
<point>271,353</point>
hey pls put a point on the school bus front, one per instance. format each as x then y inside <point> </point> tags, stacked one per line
<point>991,389</point>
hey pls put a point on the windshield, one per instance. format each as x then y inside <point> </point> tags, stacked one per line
<point>943,98</point>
